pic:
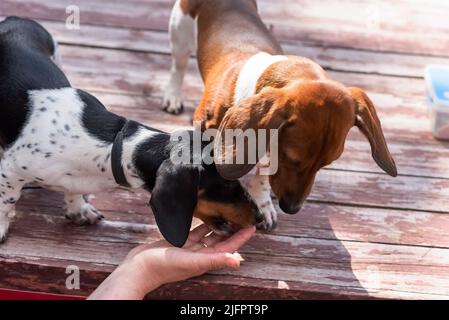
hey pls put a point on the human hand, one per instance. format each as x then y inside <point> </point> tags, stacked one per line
<point>151,265</point>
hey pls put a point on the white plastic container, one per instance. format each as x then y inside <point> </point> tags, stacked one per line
<point>437,81</point>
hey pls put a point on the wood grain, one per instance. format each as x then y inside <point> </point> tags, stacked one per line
<point>402,26</point>
<point>373,268</point>
<point>331,58</point>
<point>318,219</point>
<point>362,234</point>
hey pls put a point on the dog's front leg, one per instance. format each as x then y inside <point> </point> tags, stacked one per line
<point>259,189</point>
<point>80,211</point>
<point>11,185</point>
<point>183,43</point>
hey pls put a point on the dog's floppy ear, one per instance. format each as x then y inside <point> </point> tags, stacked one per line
<point>369,124</point>
<point>173,200</point>
<point>262,111</point>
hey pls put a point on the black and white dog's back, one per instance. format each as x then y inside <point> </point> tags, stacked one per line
<point>64,139</point>
<point>26,53</point>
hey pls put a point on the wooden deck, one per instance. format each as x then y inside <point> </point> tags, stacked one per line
<point>362,233</point>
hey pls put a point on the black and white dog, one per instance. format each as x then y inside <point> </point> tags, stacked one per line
<point>64,139</point>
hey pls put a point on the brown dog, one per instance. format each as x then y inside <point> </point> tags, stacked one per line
<point>251,84</point>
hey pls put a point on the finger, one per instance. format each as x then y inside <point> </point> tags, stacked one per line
<point>235,241</point>
<point>207,243</point>
<point>215,261</point>
<point>198,233</point>
<point>212,239</point>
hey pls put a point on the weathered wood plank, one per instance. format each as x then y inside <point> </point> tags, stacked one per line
<point>151,14</point>
<point>341,59</point>
<point>129,212</point>
<point>20,273</point>
<point>414,160</point>
<point>48,275</point>
<point>158,66</point>
<point>110,37</point>
<point>402,27</point>
<point>370,62</point>
<point>382,191</point>
<point>120,71</point>
<point>328,221</point>
<point>371,267</point>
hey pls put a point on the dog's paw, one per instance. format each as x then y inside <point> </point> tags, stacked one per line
<point>87,214</point>
<point>270,220</point>
<point>4,227</point>
<point>173,104</point>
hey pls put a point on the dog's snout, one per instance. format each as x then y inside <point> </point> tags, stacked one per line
<point>290,205</point>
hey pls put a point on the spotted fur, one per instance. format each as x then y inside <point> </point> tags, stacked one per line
<point>61,138</point>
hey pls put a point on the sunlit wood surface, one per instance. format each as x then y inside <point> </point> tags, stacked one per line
<point>362,233</point>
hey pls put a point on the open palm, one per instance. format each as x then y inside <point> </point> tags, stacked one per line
<point>203,251</point>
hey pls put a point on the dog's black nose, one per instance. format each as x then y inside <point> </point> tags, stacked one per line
<point>290,206</point>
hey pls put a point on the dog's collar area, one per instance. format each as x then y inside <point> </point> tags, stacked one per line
<point>116,158</point>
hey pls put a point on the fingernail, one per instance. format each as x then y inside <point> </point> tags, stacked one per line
<point>238,256</point>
